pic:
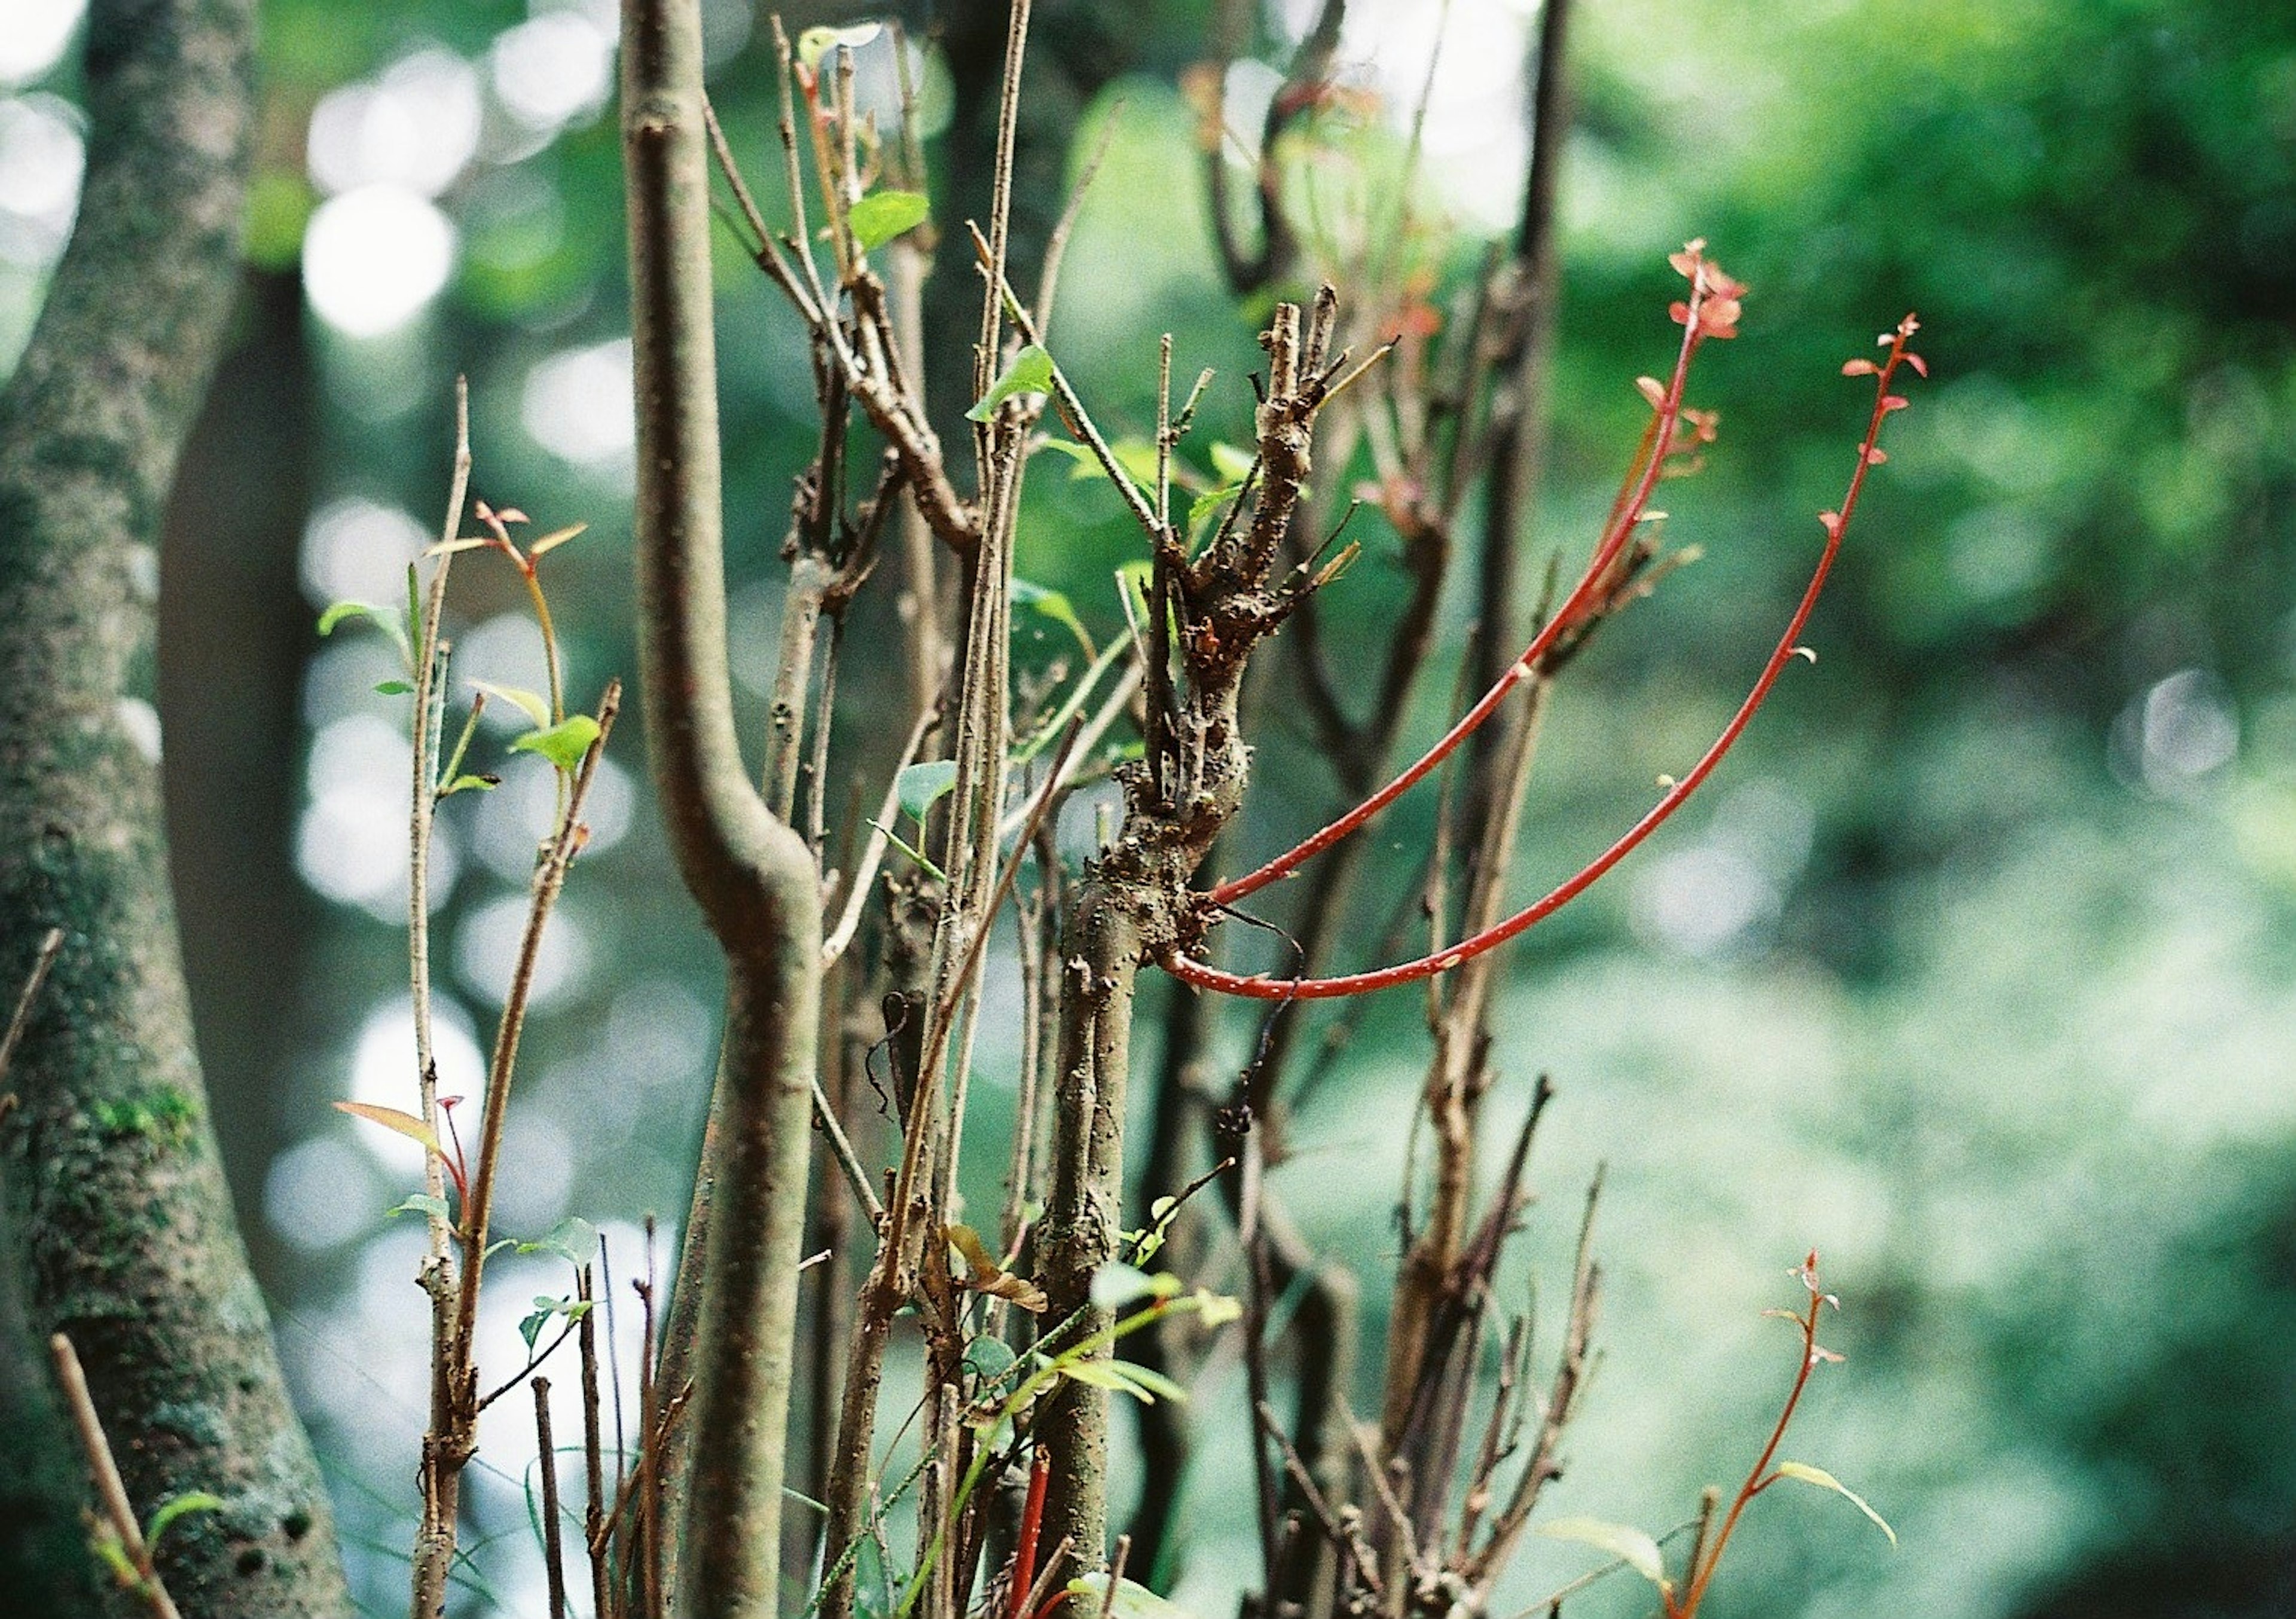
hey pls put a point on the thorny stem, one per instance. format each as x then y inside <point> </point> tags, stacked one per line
<point>1789,647</point>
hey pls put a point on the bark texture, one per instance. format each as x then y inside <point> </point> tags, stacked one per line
<point>120,1227</point>
<point>752,874</point>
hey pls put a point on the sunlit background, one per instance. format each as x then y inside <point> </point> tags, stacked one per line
<point>1975,969</point>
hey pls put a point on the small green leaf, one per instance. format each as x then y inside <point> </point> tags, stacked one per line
<point>1031,372</point>
<point>470,784</point>
<point>105,1544</point>
<point>1131,1601</point>
<point>1052,604</point>
<point>394,688</point>
<point>1104,1374</point>
<point>421,1202</point>
<point>1631,1546</point>
<point>530,1327</point>
<point>391,1118</point>
<point>526,702</point>
<point>1087,465</point>
<point>882,215</point>
<point>174,1507</point>
<point>1149,1384</point>
<point>1207,506</point>
<point>1803,1472</point>
<point>988,1358</point>
<point>383,617</point>
<point>1116,1285</point>
<point>562,744</point>
<point>817,42</point>
<point>573,1239</point>
<point>921,786</point>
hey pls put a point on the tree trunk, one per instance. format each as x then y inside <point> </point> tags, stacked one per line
<point>119,1225</point>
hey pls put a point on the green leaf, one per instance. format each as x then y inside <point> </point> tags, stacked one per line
<point>815,43</point>
<point>1131,1601</point>
<point>1116,1285</point>
<point>1150,1385</point>
<point>545,1309</point>
<point>920,787</point>
<point>1107,1375</point>
<point>383,617</point>
<point>1631,1546</point>
<point>394,688</point>
<point>174,1507</point>
<point>1031,372</point>
<point>1052,604</point>
<point>562,744</point>
<point>882,215</point>
<point>526,702</point>
<point>471,784</point>
<point>988,1358</point>
<point>1207,506</point>
<point>421,1202</point>
<point>1806,1473</point>
<point>391,1118</point>
<point>573,1239</point>
<point>1087,465</point>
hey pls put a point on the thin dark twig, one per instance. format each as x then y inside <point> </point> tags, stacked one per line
<point>18,1020</point>
<point>554,1551</point>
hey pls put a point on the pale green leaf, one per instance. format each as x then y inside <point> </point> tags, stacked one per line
<point>573,1239</point>
<point>562,744</point>
<point>1117,1285</point>
<point>174,1507</point>
<point>920,786</point>
<point>526,702</point>
<point>817,42</point>
<point>1131,1601</point>
<point>1150,1384</point>
<point>882,215</point>
<point>1031,372</point>
<point>1804,1473</point>
<point>1631,1546</point>
<point>383,617</point>
<point>421,1202</point>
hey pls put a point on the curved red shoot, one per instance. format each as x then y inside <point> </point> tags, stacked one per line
<point>1837,524</point>
<point>1711,311</point>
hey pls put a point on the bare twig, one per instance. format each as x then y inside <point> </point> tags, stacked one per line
<point>45,958</point>
<point>118,1512</point>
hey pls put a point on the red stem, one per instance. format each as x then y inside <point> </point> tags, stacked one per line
<point>1703,1576</point>
<point>1591,585</point>
<point>1263,988</point>
<point>1032,1522</point>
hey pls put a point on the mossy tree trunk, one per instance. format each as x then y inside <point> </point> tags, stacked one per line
<point>120,1227</point>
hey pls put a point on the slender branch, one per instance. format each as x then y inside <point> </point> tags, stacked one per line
<point>1678,791</point>
<point>119,1513</point>
<point>752,874</point>
<point>43,960</point>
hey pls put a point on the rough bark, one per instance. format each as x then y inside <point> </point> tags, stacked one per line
<point>119,1225</point>
<point>752,873</point>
